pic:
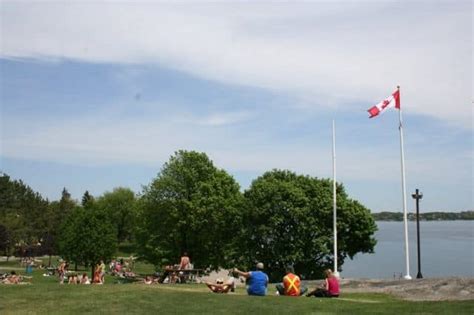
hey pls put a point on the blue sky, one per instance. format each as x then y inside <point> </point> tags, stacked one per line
<point>99,95</point>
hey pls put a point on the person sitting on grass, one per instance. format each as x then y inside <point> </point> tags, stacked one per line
<point>220,286</point>
<point>85,279</point>
<point>291,285</point>
<point>330,289</point>
<point>185,262</point>
<point>72,279</point>
<point>118,267</point>
<point>258,280</point>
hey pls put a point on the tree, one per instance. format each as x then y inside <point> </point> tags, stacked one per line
<point>289,221</point>
<point>22,212</point>
<point>120,207</point>
<point>5,240</point>
<point>191,206</point>
<point>87,200</point>
<point>86,237</point>
<point>66,204</point>
<point>57,213</point>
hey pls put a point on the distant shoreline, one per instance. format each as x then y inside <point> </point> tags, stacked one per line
<point>426,216</point>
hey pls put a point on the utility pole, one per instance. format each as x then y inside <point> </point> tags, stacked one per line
<point>334,197</point>
<point>417,196</point>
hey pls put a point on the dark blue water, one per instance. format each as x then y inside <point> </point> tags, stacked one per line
<point>447,249</point>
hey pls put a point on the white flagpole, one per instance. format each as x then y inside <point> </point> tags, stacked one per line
<point>405,219</point>
<point>334,205</point>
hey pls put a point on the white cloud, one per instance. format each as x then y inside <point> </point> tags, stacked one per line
<point>329,54</point>
<point>100,140</point>
<point>217,119</point>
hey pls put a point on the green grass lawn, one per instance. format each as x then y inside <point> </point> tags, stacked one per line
<point>45,296</point>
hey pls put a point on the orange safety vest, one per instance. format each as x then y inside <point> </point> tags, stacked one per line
<point>291,283</point>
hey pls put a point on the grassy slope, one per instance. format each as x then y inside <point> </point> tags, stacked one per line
<point>46,296</point>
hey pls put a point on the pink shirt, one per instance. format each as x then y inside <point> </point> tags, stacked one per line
<point>184,262</point>
<point>333,286</point>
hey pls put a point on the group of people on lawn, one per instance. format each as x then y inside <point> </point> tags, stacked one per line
<point>257,280</point>
<point>75,279</point>
<point>291,285</point>
<point>116,268</point>
<point>98,276</point>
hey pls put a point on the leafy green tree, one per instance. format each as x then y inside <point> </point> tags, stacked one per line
<point>22,211</point>
<point>120,207</point>
<point>190,206</point>
<point>289,221</point>
<point>87,236</point>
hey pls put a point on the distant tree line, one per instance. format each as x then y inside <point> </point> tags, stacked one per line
<point>426,216</point>
<point>192,206</point>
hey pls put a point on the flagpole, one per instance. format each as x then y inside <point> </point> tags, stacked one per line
<point>334,205</point>
<point>405,220</point>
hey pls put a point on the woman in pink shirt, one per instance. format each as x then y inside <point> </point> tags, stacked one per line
<point>331,286</point>
<point>185,261</point>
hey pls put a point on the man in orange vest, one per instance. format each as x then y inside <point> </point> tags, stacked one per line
<point>291,285</point>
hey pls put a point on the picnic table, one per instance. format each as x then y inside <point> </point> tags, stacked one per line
<point>176,275</point>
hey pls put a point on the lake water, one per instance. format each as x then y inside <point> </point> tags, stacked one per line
<point>447,249</point>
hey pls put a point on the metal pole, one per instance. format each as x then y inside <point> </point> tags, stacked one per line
<point>334,205</point>
<point>417,196</point>
<point>405,220</point>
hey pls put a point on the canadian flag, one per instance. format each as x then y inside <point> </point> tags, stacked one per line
<point>391,101</point>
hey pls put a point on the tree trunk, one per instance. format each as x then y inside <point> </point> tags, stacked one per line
<point>49,264</point>
<point>75,266</point>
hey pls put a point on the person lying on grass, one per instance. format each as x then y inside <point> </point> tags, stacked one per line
<point>13,278</point>
<point>220,286</point>
<point>150,280</point>
<point>330,289</point>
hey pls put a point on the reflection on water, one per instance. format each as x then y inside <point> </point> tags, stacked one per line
<point>447,249</point>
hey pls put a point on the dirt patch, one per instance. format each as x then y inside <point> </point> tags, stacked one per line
<point>430,289</point>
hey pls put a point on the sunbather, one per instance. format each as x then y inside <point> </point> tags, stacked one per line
<point>13,278</point>
<point>220,286</point>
